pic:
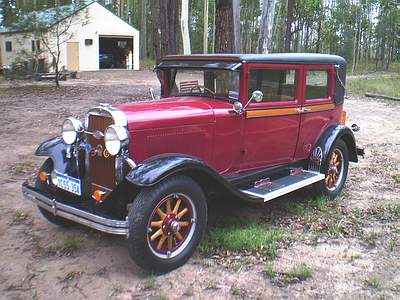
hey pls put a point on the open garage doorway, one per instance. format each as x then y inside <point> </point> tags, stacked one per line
<point>115,52</point>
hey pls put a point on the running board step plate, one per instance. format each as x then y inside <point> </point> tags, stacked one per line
<point>285,185</point>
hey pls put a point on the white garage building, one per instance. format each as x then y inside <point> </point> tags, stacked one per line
<point>99,40</point>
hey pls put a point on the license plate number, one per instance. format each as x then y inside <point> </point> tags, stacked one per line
<point>68,183</point>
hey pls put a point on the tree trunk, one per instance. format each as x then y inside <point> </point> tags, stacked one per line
<point>227,26</point>
<point>169,26</point>
<point>356,42</point>
<point>289,21</point>
<point>236,26</point>
<point>143,29</point>
<point>383,47</point>
<point>155,12</point>
<point>185,26</point>
<point>267,19</point>
<point>205,27</point>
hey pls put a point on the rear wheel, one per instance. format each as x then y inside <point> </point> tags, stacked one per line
<point>336,168</point>
<point>166,223</point>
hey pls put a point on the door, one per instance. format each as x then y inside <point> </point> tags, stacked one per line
<point>271,127</point>
<point>73,56</point>
<point>318,110</point>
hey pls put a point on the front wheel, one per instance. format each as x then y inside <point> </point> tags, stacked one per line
<point>335,169</point>
<point>166,223</point>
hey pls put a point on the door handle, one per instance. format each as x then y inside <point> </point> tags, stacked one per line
<point>303,109</point>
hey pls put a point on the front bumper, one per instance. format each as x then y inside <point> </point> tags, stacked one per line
<point>74,214</point>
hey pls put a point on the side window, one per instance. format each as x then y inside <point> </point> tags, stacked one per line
<point>8,46</point>
<point>317,84</point>
<point>276,84</point>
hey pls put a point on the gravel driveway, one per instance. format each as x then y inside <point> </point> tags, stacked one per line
<point>352,246</point>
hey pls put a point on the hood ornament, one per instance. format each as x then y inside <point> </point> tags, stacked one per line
<point>97,134</point>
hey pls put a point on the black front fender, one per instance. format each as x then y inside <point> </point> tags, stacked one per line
<point>57,150</point>
<point>157,168</point>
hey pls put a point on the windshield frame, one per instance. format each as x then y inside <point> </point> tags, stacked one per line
<point>164,75</point>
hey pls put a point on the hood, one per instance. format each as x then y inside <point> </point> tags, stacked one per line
<point>169,112</point>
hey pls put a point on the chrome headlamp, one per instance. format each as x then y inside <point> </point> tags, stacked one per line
<point>70,130</point>
<point>115,138</point>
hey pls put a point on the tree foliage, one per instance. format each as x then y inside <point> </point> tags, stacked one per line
<point>365,32</point>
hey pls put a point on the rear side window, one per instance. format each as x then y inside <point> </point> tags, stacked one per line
<point>276,84</point>
<point>317,84</point>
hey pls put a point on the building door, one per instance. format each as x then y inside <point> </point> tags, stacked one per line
<point>73,56</point>
<point>272,125</point>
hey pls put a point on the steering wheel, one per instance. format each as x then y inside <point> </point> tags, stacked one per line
<point>201,87</point>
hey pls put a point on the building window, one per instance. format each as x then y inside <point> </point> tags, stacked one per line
<point>33,43</point>
<point>275,84</point>
<point>317,84</point>
<point>38,45</point>
<point>8,46</point>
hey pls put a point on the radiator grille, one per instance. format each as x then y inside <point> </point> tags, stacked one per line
<point>102,169</point>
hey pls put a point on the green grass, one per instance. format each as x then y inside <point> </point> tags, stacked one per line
<point>150,283</point>
<point>251,237</point>
<point>306,207</point>
<point>383,85</point>
<point>19,217</point>
<point>372,282</point>
<point>300,271</point>
<point>387,212</point>
<point>72,242</point>
<point>269,270</point>
<point>362,68</point>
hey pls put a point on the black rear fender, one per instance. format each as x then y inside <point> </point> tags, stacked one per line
<point>328,139</point>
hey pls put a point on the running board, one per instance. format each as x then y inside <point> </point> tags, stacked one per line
<point>284,185</point>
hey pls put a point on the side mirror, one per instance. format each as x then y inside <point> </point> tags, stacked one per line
<point>237,107</point>
<point>257,96</point>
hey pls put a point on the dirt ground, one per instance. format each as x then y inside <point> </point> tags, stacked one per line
<point>41,261</point>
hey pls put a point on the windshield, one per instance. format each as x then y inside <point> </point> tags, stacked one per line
<point>221,84</point>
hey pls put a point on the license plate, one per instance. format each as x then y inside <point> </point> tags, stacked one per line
<point>68,183</point>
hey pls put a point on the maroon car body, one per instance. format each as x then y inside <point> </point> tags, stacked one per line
<point>255,126</point>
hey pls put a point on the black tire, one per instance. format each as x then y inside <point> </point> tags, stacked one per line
<point>322,187</point>
<point>48,167</point>
<point>142,212</point>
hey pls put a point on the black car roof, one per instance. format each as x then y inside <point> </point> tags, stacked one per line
<point>274,58</point>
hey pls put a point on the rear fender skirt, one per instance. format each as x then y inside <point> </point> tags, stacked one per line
<point>330,136</point>
<point>57,151</point>
<point>157,168</point>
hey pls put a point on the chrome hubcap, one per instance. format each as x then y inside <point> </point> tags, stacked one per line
<point>334,173</point>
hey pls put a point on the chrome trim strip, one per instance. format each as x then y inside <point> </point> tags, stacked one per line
<point>74,214</point>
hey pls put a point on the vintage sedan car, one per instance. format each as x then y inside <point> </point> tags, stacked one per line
<point>252,126</point>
